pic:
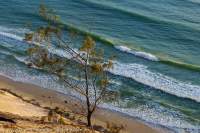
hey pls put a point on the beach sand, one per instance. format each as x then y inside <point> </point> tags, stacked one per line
<point>47,98</point>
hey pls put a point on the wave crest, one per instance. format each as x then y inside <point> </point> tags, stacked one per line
<point>13,36</point>
<point>144,55</point>
<point>195,1</point>
<point>141,74</point>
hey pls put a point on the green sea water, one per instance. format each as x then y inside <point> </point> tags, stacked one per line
<point>157,44</point>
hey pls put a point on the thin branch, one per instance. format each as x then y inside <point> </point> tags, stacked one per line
<point>74,87</point>
<point>71,49</point>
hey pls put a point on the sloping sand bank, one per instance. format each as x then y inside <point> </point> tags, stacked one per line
<point>46,98</point>
<point>14,105</point>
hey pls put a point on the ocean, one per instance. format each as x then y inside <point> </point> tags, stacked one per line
<point>157,44</point>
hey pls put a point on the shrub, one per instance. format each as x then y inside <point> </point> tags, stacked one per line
<point>113,128</point>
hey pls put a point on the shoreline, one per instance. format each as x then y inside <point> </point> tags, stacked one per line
<point>51,98</point>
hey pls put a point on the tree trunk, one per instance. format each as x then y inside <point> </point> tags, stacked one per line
<point>89,115</point>
<point>89,112</point>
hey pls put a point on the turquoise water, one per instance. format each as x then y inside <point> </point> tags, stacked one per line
<point>156,42</point>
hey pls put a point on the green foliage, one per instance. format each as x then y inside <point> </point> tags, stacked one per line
<point>88,45</point>
<point>50,115</point>
<point>32,50</point>
<point>62,121</point>
<point>48,14</point>
<point>96,68</point>
<point>28,37</point>
<point>42,10</point>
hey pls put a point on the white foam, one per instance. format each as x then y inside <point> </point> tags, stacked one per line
<point>13,36</point>
<point>61,53</point>
<point>21,59</point>
<point>141,74</point>
<point>144,55</point>
<point>5,32</point>
<point>155,116</point>
<point>151,115</point>
<point>25,75</point>
<point>195,1</point>
<point>14,33</point>
<point>137,72</point>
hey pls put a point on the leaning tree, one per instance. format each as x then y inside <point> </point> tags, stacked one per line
<point>83,70</point>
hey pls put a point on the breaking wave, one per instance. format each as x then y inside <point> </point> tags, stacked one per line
<point>144,55</point>
<point>141,74</point>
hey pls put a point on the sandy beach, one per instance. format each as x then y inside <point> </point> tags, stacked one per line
<point>46,99</point>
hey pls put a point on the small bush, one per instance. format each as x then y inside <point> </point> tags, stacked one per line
<point>66,114</point>
<point>113,128</point>
<point>62,121</point>
<point>50,115</point>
